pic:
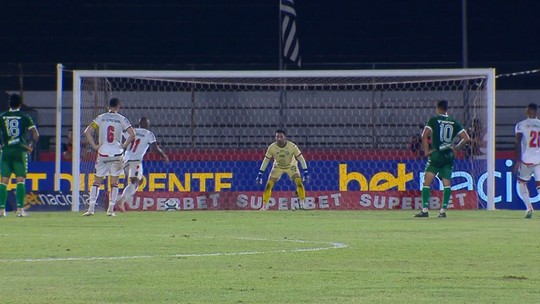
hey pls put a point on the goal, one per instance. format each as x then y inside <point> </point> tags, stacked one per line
<point>358,131</point>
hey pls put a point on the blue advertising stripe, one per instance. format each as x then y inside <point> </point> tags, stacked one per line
<point>325,176</point>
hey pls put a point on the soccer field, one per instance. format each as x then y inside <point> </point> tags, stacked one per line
<point>270,257</point>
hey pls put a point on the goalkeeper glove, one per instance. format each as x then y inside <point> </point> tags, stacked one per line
<point>259,178</point>
<point>306,178</point>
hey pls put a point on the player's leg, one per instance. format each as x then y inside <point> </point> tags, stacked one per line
<point>6,171</point>
<point>524,175</point>
<point>445,175</point>
<point>275,174</point>
<point>20,169</point>
<point>3,196</point>
<point>429,175</point>
<point>536,171</point>
<point>300,189</point>
<point>116,170</point>
<point>135,173</point>
<point>101,169</point>
<point>20,194</point>
<point>113,195</point>
<point>94,194</point>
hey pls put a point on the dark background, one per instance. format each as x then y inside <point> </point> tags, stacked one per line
<point>243,34</point>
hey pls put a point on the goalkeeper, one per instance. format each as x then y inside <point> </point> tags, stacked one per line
<point>286,156</point>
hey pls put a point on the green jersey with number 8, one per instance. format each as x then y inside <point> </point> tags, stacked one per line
<point>14,126</point>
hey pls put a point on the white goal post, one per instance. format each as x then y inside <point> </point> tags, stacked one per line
<point>336,116</point>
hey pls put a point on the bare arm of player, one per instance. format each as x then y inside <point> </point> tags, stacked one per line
<point>464,139</point>
<point>130,138</point>
<point>89,135</point>
<point>34,139</point>
<point>519,138</point>
<point>157,148</point>
<point>425,140</point>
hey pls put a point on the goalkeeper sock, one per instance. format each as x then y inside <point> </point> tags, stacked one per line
<point>446,197</point>
<point>301,191</point>
<point>20,193</point>
<point>426,191</point>
<point>524,191</point>
<point>300,188</point>
<point>94,193</point>
<point>267,191</point>
<point>3,196</point>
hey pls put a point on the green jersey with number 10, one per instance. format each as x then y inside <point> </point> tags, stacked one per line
<point>444,130</point>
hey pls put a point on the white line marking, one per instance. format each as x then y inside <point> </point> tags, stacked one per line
<point>329,245</point>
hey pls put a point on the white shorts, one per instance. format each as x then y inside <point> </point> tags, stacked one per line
<point>278,172</point>
<point>526,171</point>
<point>134,168</point>
<point>109,166</point>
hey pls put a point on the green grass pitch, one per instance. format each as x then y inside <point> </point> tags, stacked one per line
<point>270,257</point>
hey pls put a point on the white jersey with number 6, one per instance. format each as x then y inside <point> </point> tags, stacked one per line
<point>110,126</point>
<point>530,140</point>
<point>136,150</point>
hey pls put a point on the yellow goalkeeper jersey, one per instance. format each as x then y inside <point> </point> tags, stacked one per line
<point>284,157</point>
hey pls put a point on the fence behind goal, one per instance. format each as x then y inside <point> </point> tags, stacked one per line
<point>358,130</point>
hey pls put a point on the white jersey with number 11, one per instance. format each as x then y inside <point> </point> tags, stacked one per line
<point>138,147</point>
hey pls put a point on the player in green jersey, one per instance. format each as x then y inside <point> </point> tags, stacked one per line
<point>442,129</point>
<point>14,126</point>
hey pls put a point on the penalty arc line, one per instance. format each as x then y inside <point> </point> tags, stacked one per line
<point>331,245</point>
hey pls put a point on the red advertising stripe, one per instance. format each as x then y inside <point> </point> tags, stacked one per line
<point>315,200</point>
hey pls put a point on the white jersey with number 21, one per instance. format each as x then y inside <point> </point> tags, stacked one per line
<point>530,140</point>
<point>143,139</point>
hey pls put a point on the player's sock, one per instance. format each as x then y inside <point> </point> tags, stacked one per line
<point>301,191</point>
<point>426,191</point>
<point>3,196</point>
<point>267,191</point>
<point>94,193</point>
<point>524,191</point>
<point>113,196</point>
<point>300,188</point>
<point>20,193</point>
<point>446,197</point>
<point>128,192</point>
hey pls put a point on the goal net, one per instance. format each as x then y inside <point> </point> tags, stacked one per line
<point>358,130</point>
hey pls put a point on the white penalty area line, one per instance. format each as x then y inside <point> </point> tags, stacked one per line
<point>329,245</point>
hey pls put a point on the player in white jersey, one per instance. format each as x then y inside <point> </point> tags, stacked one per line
<point>133,158</point>
<point>528,155</point>
<point>286,156</point>
<point>109,162</point>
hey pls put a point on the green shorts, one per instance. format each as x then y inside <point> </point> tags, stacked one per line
<point>13,161</point>
<point>441,164</point>
<point>444,172</point>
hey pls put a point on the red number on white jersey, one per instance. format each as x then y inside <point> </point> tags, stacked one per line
<point>134,144</point>
<point>535,139</point>
<point>110,134</point>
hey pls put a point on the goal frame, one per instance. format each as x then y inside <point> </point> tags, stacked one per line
<point>488,73</point>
